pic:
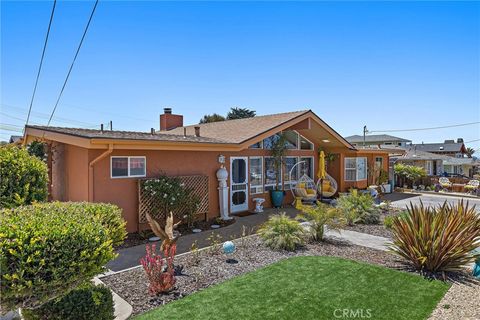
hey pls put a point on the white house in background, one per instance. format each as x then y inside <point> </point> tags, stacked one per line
<point>464,166</point>
<point>378,140</point>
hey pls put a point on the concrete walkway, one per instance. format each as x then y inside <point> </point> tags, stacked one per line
<point>360,239</point>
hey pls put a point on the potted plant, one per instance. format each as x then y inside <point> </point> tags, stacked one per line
<point>278,152</point>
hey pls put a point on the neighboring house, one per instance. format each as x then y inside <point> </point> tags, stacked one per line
<point>15,139</point>
<point>431,162</point>
<point>104,166</point>
<point>377,139</point>
<point>448,147</point>
<point>463,166</point>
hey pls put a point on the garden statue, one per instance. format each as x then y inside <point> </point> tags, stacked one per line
<point>166,235</point>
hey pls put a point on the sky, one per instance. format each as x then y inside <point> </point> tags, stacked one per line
<point>386,65</point>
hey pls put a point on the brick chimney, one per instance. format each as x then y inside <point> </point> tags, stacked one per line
<point>169,121</point>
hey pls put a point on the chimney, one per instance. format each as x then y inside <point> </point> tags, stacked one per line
<point>169,121</point>
<point>459,140</point>
<point>101,127</point>
<point>197,131</point>
<point>152,131</point>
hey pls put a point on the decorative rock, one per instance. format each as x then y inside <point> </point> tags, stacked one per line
<point>153,239</point>
<point>214,226</point>
<point>197,230</point>
<point>228,247</point>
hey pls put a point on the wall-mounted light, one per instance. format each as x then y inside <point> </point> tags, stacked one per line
<point>221,159</point>
<point>326,140</point>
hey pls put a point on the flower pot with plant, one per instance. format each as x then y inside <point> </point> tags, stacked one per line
<point>279,148</point>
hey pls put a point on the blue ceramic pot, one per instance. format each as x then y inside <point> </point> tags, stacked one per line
<point>277,198</point>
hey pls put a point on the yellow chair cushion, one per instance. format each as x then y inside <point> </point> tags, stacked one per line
<point>301,192</point>
<point>311,191</point>
<point>301,185</point>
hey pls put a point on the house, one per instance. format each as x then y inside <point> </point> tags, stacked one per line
<point>105,165</point>
<point>431,162</point>
<point>462,166</point>
<point>377,140</point>
<point>448,147</point>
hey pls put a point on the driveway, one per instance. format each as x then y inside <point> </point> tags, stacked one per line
<point>402,200</point>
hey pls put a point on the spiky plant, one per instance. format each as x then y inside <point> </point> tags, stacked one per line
<point>320,216</point>
<point>281,232</point>
<point>437,239</point>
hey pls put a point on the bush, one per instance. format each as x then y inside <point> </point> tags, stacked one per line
<point>23,178</point>
<point>436,239</point>
<point>88,302</point>
<point>48,249</point>
<point>318,216</point>
<point>159,269</point>
<point>358,208</point>
<point>411,173</point>
<point>282,232</point>
<point>388,222</point>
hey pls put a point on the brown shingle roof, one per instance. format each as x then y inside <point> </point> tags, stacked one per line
<point>127,135</point>
<point>239,130</point>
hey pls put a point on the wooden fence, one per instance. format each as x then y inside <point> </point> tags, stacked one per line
<point>147,203</point>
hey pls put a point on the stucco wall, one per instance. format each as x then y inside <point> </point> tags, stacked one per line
<point>76,177</point>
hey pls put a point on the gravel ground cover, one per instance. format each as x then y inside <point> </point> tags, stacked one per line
<point>461,302</point>
<point>373,229</point>
<point>208,267</point>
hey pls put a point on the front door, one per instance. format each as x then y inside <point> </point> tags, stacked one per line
<point>238,184</point>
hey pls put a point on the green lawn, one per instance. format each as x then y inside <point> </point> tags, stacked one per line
<point>311,288</point>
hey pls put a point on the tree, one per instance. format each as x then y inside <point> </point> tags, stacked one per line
<point>470,152</point>
<point>240,113</point>
<point>38,149</point>
<point>212,118</point>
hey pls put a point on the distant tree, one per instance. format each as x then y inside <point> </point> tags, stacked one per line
<point>38,149</point>
<point>240,113</point>
<point>470,152</point>
<point>212,118</point>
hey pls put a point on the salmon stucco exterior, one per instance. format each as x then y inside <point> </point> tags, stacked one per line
<point>105,166</point>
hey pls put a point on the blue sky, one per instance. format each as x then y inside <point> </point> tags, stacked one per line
<point>387,65</point>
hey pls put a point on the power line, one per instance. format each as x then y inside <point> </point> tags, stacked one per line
<point>431,128</point>
<point>73,62</point>
<point>472,141</point>
<point>41,61</point>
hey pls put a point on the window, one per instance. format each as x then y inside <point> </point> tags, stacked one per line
<point>355,169</point>
<point>270,174</point>
<point>289,163</point>
<point>268,142</point>
<point>257,145</point>
<point>305,144</point>
<point>124,167</point>
<point>291,139</point>
<point>378,163</point>
<point>429,167</point>
<point>256,175</point>
<point>306,167</point>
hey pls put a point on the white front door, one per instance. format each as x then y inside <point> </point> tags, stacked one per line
<point>238,184</point>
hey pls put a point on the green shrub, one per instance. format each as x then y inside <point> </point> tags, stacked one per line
<point>281,232</point>
<point>320,216</point>
<point>437,239</point>
<point>358,208</point>
<point>408,172</point>
<point>23,178</point>
<point>388,222</point>
<point>50,248</point>
<point>88,302</point>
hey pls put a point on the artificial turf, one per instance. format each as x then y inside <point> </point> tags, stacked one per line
<point>311,288</point>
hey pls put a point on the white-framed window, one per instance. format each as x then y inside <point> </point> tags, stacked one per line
<point>355,169</point>
<point>429,167</point>
<point>289,163</point>
<point>256,175</point>
<point>304,143</point>
<point>291,139</point>
<point>128,167</point>
<point>307,167</point>
<point>270,174</point>
<point>379,162</point>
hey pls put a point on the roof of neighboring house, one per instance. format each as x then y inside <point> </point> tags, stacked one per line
<point>441,147</point>
<point>391,149</point>
<point>461,161</point>
<point>375,138</point>
<point>412,153</point>
<point>124,135</point>
<point>14,139</point>
<point>238,130</point>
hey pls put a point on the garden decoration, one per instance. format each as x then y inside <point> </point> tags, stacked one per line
<point>166,235</point>
<point>229,248</point>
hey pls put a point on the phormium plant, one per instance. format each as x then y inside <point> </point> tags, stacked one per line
<point>437,239</point>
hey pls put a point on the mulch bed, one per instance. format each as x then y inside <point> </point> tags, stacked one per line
<point>137,238</point>
<point>208,267</point>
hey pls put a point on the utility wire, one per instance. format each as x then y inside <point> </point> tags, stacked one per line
<point>73,62</point>
<point>41,61</point>
<point>431,128</point>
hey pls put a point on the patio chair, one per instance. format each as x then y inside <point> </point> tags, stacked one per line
<point>444,183</point>
<point>472,186</point>
<point>305,188</point>
<point>329,186</point>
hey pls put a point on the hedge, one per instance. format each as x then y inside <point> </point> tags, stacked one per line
<point>88,302</point>
<point>50,248</point>
<point>23,177</point>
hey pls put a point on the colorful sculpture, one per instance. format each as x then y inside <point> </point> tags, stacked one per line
<point>228,247</point>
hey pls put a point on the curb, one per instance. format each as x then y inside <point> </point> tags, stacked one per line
<point>123,310</point>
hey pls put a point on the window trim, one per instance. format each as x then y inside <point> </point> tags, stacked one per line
<point>128,167</point>
<point>261,185</point>
<point>356,169</point>
<point>300,145</point>
<point>313,166</point>
<point>264,181</point>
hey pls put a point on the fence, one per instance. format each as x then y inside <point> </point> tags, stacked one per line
<point>147,203</point>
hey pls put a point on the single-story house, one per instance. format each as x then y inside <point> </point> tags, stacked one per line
<point>449,148</point>
<point>431,162</point>
<point>377,140</point>
<point>463,166</point>
<point>105,165</point>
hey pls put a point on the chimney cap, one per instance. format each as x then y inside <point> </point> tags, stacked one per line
<point>167,110</point>
<point>197,131</point>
